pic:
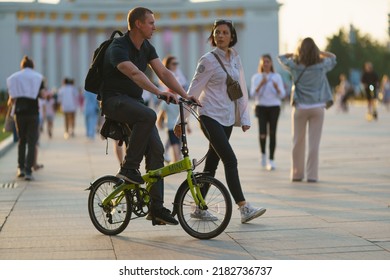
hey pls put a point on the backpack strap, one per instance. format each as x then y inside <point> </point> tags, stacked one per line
<point>116,32</point>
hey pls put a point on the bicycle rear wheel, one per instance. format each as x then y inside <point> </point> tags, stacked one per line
<point>218,202</point>
<point>111,219</point>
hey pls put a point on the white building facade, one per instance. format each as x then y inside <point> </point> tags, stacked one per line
<point>61,38</point>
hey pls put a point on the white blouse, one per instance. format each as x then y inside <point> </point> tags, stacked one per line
<point>267,95</point>
<point>209,86</point>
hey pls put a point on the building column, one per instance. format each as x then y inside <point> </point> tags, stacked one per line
<point>206,30</point>
<point>51,67</point>
<point>37,45</point>
<point>66,61</point>
<point>157,42</point>
<point>100,37</point>
<point>194,43</point>
<point>83,59</point>
<point>177,45</point>
<point>256,22</point>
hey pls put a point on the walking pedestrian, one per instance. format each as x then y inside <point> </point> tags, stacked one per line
<point>370,81</point>
<point>385,90</point>
<point>169,113</point>
<point>268,90</point>
<point>343,90</point>
<point>217,113</point>
<point>91,113</point>
<point>24,87</point>
<point>69,99</point>
<point>49,109</point>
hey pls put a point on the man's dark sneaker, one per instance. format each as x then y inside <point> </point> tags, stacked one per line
<point>165,216</point>
<point>20,173</point>
<point>130,175</point>
<point>149,217</point>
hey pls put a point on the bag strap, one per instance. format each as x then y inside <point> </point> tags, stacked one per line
<point>220,62</point>
<point>299,77</point>
<point>296,82</point>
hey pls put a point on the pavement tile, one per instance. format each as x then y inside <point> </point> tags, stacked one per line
<point>346,215</point>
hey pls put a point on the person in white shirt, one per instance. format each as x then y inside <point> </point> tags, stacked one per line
<point>24,88</point>
<point>68,97</point>
<point>217,113</point>
<point>268,90</point>
<point>169,113</point>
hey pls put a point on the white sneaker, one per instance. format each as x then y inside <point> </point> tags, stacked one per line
<point>203,215</point>
<point>249,213</point>
<point>271,165</point>
<point>263,160</point>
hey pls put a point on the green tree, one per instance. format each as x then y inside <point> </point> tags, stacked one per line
<point>353,50</point>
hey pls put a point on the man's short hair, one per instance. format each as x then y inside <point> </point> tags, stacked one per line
<point>135,14</point>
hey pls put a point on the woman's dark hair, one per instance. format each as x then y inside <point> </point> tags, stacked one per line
<point>26,63</point>
<point>167,60</point>
<point>233,32</point>
<point>308,53</point>
<point>135,14</point>
<point>270,59</point>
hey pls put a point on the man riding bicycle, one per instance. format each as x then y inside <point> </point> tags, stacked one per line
<point>125,62</point>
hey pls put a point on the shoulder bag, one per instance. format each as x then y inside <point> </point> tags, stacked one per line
<point>9,123</point>
<point>233,87</point>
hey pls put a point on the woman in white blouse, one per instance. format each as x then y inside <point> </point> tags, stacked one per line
<point>268,89</point>
<point>217,113</point>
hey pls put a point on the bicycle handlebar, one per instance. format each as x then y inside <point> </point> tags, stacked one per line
<point>181,100</point>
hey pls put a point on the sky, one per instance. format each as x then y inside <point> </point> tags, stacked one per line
<point>320,19</point>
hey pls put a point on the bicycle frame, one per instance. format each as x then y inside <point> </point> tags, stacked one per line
<point>152,176</point>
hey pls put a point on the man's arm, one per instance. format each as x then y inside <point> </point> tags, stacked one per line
<point>132,71</point>
<point>167,78</point>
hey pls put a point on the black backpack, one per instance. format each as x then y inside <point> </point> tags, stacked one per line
<point>94,78</point>
<point>115,130</point>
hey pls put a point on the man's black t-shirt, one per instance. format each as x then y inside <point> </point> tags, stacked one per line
<point>27,106</point>
<point>120,50</point>
<point>370,78</point>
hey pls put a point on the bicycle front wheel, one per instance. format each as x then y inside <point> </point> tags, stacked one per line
<point>200,224</point>
<point>113,218</point>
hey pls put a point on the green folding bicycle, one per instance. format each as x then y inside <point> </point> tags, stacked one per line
<point>112,201</point>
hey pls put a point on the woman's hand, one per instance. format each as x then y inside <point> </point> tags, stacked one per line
<point>276,87</point>
<point>262,83</point>
<point>194,99</point>
<point>245,127</point>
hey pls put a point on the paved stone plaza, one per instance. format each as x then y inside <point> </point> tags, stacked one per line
<point>346,215</point>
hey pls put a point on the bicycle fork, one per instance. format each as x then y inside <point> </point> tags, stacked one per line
<point>196,191</point>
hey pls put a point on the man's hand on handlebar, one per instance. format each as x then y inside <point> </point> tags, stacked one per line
<point>168,97</point>
<point>173,98</point>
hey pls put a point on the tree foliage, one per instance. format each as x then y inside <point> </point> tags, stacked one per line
<point>353,50</point>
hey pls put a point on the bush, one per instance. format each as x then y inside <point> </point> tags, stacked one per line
<point>3,103</point>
